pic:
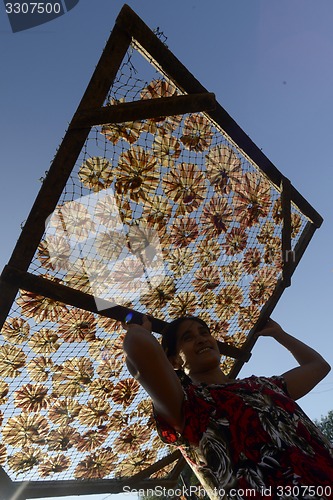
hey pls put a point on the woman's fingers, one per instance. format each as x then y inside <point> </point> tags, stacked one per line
<point>146,323</point>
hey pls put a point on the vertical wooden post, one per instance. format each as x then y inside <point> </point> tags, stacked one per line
<point>288,255</point>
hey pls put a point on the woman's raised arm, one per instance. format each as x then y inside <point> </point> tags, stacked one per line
<point>312,366</point>
<point>149,365</point>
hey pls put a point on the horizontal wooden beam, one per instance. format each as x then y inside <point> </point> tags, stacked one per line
<point>38,489</point>
<point>70,296</point>
<point>76,298</point>
<point>59,488</point>
<point>145,108</point>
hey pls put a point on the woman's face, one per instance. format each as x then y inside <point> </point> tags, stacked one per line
<point>197,350</point>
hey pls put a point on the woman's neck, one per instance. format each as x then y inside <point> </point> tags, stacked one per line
<point>214,376</point>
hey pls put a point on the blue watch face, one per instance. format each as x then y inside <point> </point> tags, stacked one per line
<point>128,317</point>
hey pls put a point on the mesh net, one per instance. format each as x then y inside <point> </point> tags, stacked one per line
<point>166,216</point>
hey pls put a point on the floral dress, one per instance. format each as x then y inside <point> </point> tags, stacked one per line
<point>249,439</point>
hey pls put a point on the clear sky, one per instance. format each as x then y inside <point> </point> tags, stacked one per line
<point>269,64</point>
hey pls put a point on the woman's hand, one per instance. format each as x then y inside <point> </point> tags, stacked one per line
<point>146,325</point>
<point>271,329</point>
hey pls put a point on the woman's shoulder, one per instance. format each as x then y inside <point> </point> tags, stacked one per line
<point>264,384</point>
<point>274,382</point>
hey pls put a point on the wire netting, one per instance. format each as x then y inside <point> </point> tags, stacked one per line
<point>166,216</point>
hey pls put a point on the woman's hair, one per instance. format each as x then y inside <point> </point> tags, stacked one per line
<point>169,334</point>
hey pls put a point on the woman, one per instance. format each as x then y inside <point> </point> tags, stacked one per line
<point>243,438</point>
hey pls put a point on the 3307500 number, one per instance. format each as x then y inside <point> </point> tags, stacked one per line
<point>33,8</point>
<point>302,491</point>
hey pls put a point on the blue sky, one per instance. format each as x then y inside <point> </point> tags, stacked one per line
<point>270,66</point>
